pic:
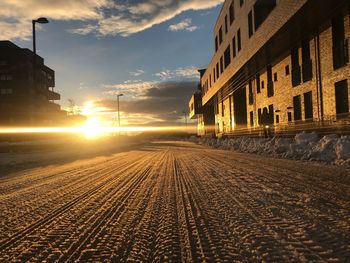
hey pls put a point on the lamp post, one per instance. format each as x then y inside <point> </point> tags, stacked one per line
<point>185,113</point>
<point>118,96</point>
<point>41,20</point>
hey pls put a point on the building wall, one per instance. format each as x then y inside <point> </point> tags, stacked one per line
<point>284,92</point>
<point>283,11</point>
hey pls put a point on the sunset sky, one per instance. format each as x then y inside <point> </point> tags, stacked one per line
<point>148,50</point>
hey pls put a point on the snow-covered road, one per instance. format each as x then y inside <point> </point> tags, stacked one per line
<point>176,202</point>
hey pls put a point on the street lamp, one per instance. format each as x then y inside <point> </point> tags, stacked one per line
<point>41,20</point>
<point>185,113</point>
<point>118,96</point>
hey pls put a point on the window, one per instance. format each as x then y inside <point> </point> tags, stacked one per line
<point>308,105</point>
<point>290,118</point>
<point>227,56</point>
<point>297,108</point>
<point>259,116</point>
<point>258,83</point>
<point>251,118</point>
<point>232,12</point>
<point>275,77</point>
<point>216,44</point>
<point>226,25</point>
<point>287,70</point>
<point>214,74</point>
<point>210,80</point>
<point>6,91</point>
<point>306,61</point>
<point>262,9</point>
<point>9,77</point>
<point>220,35</point>
<point>239,47</point>
<point>2,77</point>
<point>271,114</point>
<point>234,47</point>
<point>342,97</point>
<point>340,45</point>
<point>250,23</point>
<point>277,119</point>
<point>296,74</point>
<point>250,95</point>
<point>217,71</point>
<point>241,2</point>
<point>221,65</point>
<point>270,91</point>
<point>262,84</point>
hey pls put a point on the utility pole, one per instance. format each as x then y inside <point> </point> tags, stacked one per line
<point>118,96</point>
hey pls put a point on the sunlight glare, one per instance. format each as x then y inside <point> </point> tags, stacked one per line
<point>92,128</point>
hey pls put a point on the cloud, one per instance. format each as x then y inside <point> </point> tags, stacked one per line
<point>182,73</point>
<point>185,24</point>
<point>101,17</point>
<point>162,101</point>
<point>137,73</point>
<point>130,88</point>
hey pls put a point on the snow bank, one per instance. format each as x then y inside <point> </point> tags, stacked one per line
<point>304,146</point>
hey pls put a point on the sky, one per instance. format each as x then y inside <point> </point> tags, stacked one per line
<point>148,50</point>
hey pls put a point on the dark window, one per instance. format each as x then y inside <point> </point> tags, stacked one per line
<point>234,47</point>
<point>214,74</point>
<point>296,74</point>
<point>277,119</point>
<point>210,80</point>
<point>342,97</point>
<point>287,70</point>
<point>232,12</point>
<point>290,117</point>
<point>306,60</point>
<point>226,25</point>
<point>297,108</point>
<point>217,71</point>
<point>275,78</point>
<point>262,9</point>
<point>262,84</point>
<point>227,56</point>
<point>250,94</point>
<point>259,116</point>
<point>250,23</point>
<point>258,83</point>
<point>308,105</point>
<point>221,65</point>
<point>216,44</point>
<point>271,114</point>
<point>241,2</point>
<point>251,117</point>
<point>270,91</point>
<point>220,35</point>
<point>239,46</point>
<point>340,44</point>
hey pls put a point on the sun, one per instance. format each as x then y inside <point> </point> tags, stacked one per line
<point>92,128</point>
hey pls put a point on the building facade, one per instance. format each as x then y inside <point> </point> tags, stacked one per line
<point>26,88</point>
<point>289,58</point>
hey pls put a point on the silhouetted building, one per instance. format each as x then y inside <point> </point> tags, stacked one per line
<point>289,57</point>
<point>26,88</point>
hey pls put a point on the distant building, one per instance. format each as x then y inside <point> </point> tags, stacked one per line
<point>26,88</point>
<point>288,56</point>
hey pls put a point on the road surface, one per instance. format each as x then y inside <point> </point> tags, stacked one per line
<point>176,202</point>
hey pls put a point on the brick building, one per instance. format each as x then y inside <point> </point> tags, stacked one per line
<point>26,96</point>
<point>290,57</point>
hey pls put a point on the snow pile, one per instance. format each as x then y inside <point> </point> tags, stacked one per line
<point>304,146</point>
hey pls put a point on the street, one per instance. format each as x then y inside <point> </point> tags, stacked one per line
<point>172,201</point>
